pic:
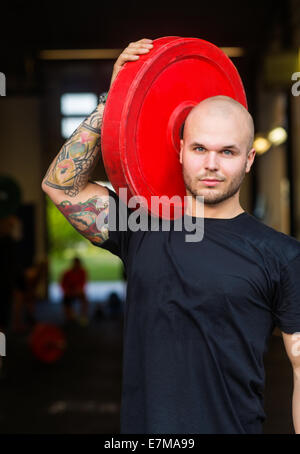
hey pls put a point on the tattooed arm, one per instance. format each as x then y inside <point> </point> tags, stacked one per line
<point>67,180</point>
<point>70,170</point>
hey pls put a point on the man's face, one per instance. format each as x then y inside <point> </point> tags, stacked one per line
<point>215,147</point>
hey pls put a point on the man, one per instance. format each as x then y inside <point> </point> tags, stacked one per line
<point>198,315</point>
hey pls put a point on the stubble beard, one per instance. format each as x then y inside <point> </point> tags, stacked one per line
<point>214,195</point>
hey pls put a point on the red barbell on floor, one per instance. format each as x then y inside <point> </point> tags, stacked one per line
<point>47,342</point>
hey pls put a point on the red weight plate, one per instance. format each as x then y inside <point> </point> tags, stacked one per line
<point>146,106</point>
<point>47,342</point>
<point>112,117</point>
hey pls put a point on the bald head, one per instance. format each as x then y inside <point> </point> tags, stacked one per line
<point>226,108</point>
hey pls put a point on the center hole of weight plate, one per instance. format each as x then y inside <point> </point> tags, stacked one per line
<point>175,123</point>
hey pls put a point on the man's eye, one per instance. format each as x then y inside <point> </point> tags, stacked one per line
<point>224,151</point>
<point>199,148</point>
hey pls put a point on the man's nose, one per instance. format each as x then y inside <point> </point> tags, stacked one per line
<point>211,160</point>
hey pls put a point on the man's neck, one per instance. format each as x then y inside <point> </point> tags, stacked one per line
<point>220,211</point>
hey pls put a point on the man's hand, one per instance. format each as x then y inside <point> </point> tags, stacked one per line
<point>292,346</point>
<point>131,53</point>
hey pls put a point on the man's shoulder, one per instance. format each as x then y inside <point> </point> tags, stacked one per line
<point>281,244</point>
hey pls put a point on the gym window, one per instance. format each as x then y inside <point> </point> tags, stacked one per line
<point>74,108</point>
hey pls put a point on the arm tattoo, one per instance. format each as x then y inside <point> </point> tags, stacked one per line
<point>83,217</point>
<point>78,157</point>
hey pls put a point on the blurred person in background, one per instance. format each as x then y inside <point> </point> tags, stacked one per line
<point>26,295</point>
<point>114,304</point>
<point>73,283</point>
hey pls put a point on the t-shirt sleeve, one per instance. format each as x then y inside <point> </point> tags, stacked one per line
<point>118,231</point>
<point>287,304</point>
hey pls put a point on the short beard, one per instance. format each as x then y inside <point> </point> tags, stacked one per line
<point>213,198</point>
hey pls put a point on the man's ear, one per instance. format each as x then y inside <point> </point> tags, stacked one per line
<point>250,159</point>
<point>181,149</point>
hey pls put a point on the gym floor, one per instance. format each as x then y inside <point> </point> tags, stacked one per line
<point>80,393</point>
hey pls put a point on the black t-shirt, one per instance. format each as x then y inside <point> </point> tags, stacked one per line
<point>198,319</point>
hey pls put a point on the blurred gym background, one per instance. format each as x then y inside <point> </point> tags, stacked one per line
<point>55,62</point>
